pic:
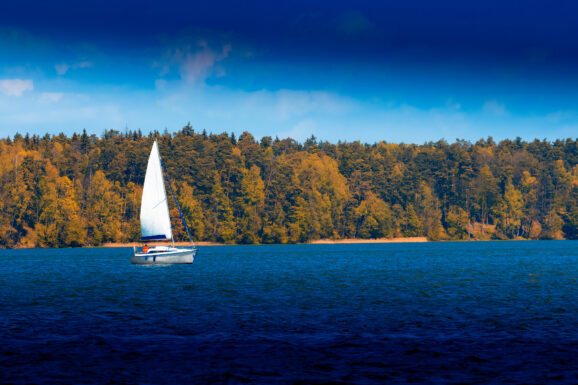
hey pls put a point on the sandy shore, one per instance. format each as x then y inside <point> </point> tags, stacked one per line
<point>378,240</point>
<point>317,242</point>
<point>140,244</point>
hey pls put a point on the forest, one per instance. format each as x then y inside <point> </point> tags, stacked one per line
<point>84,190</point>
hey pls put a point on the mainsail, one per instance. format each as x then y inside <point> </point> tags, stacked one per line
<point>155,222</point>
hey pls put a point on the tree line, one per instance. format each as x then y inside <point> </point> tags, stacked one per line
<point>59,191</point>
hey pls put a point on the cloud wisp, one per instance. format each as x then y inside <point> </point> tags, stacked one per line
<point>50,97</point>
<point>194,59</point>
<point>15,87</point>
<point>63,68</point>
<point>494,108</point>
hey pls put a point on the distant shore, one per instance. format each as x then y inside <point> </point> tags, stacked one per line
<point>377,240</point>
<point>140,244</point>
<point>316,242</point>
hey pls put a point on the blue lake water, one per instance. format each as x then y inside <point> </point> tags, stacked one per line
<point>484,312</point>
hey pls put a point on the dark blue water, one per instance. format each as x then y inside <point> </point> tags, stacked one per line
<point>501,312</point>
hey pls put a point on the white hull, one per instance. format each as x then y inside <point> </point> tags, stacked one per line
<point>169,257</point>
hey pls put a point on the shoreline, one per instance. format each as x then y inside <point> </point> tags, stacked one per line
<point>373,240</point>
<point>315,242</point>
<point>140,244</point>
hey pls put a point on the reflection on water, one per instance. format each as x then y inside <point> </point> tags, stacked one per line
<point>501,312</point>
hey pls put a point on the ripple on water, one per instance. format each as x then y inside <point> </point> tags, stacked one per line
<point>370,314</point>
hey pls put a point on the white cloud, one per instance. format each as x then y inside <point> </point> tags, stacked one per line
<point>15,87</point>
<point>196,66</point>
<point>194,62</point>
<point>50,97</point>
<point>63,68</point>
<point>297,113</point>
<point>560,116</point>
<point>160,84</point>
<point>69,114</point>
<point>451,104</point>
<point>83,64</point>
<point>494,108</point>
<point>291,103</point>
<point>301,131</point>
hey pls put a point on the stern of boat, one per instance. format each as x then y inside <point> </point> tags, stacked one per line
<point>172,256</point>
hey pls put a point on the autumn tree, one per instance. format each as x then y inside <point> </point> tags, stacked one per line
<point>86,189</point>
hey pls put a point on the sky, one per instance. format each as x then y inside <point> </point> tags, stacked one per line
<point>399,71</point>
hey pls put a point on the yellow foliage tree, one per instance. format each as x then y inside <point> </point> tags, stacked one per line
<point>429,213</point>
<point>373,218</point>
<point>60,222</point>
<point>103,211</point>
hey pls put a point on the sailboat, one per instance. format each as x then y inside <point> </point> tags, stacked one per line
<point>155,222</point>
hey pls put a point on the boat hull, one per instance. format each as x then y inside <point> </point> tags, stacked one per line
<point>173,256</point>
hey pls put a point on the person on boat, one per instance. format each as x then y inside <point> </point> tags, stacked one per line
<point>145,249</point>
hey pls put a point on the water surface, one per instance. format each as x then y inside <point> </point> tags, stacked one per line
<point>484,312</point>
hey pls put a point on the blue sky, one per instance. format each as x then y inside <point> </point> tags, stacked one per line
<point>410,71</point>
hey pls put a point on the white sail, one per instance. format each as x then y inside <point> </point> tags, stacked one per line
<point>155,222</point>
